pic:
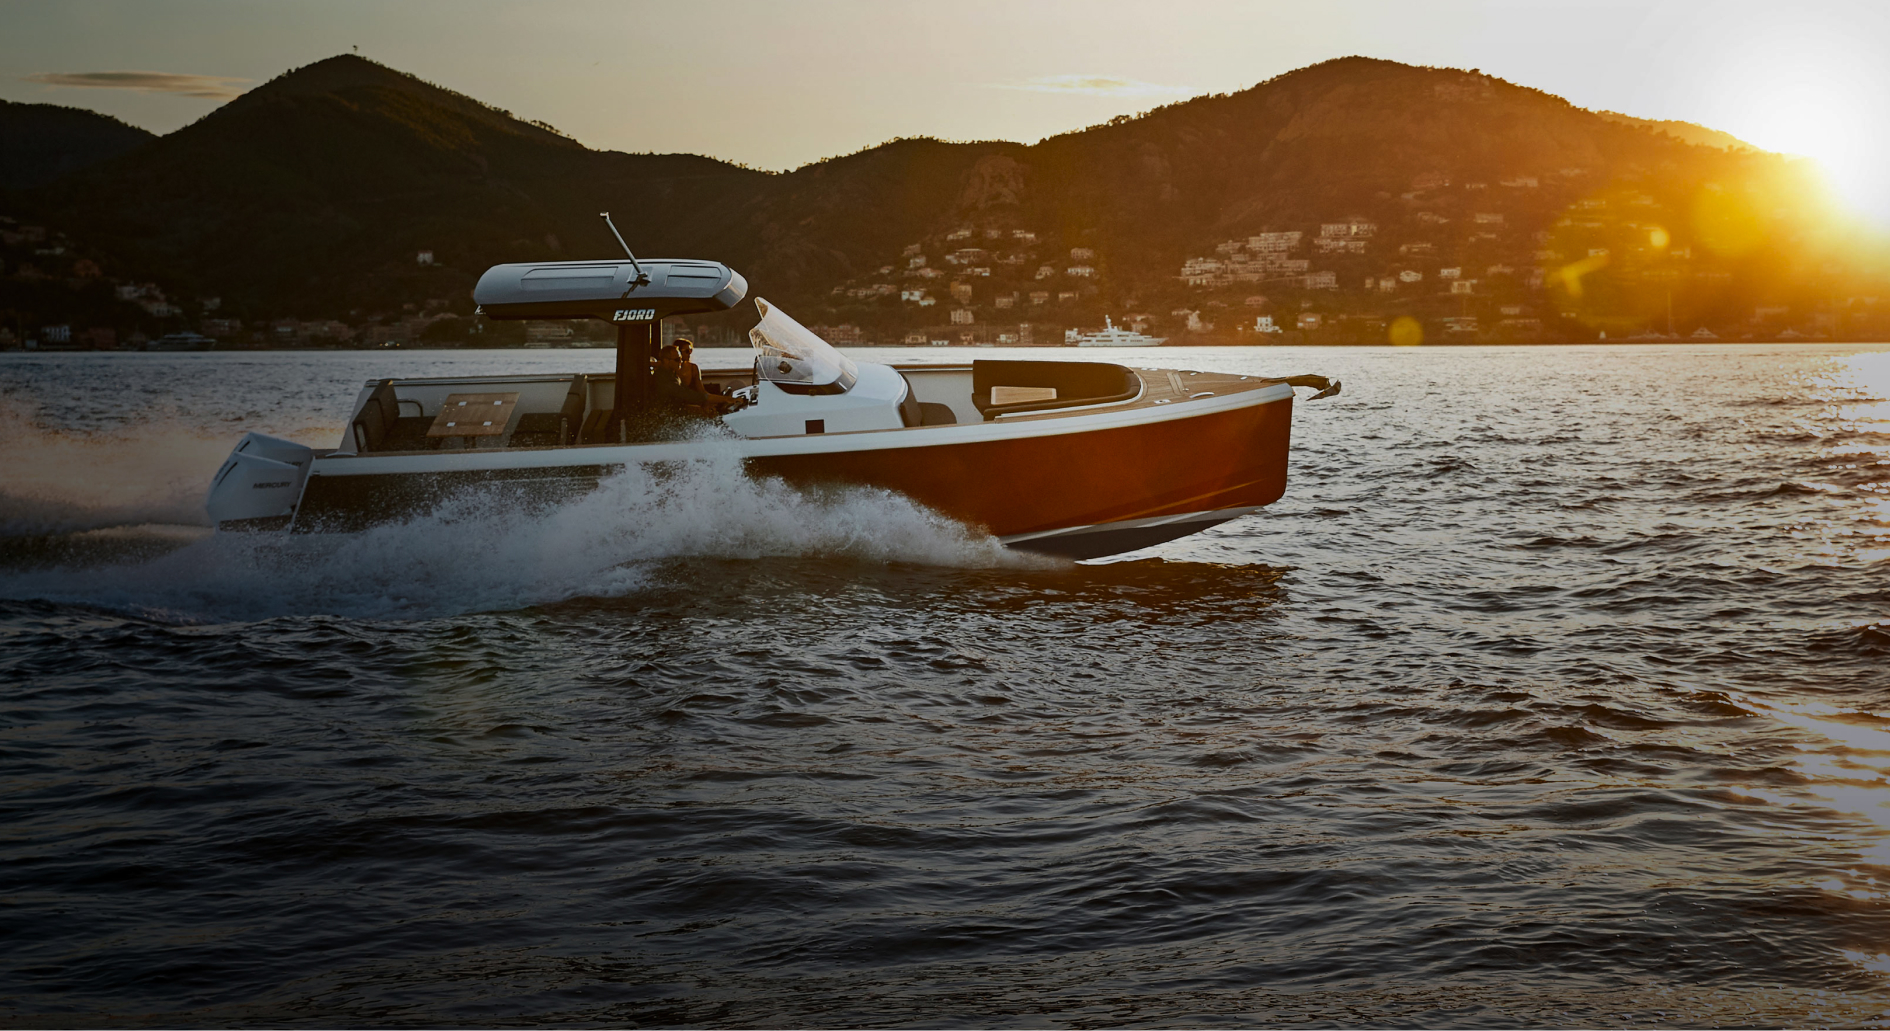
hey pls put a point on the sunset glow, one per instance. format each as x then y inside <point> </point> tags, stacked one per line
<point>828,77</point>
<point>1810,84</point>
<point>1813,119</point>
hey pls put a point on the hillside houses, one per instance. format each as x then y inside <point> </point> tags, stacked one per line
<point>993,271</point>
<point>1351,228</point>
<point>1256,259</point>
<point>1274,243</point>
<point>1205,272</point>
<point>1547,252</point>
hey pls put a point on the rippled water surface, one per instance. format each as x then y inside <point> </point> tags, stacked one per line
<point>1555,692</point>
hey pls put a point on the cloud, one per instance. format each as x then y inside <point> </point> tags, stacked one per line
<point>1094,85</point>
<point>208,87</point>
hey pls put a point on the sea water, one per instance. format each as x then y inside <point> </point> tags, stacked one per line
<point>1555,691</point>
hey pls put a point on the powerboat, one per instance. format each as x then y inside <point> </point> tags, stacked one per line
<point>1074,458</point>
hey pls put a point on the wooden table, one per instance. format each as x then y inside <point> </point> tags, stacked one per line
<point>474,416</point>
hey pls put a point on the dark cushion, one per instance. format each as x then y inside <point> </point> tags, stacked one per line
<point>573,410</point>
<point>932,413</point>
<point>378,420</point>
<point>1076,383</point>
<point>389,402</point>
<point>370,427</point>
<point>541,429</point>
<point>409,433</point>
<point>910,413</point>
<point>595,425</point>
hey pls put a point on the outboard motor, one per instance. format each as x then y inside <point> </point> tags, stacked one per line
<point>259,484</point>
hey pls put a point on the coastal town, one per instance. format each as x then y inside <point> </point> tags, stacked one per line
<point>1457,265</point>
<point>1525,259</point>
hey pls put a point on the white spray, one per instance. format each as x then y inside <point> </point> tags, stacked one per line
<point>474,554</point>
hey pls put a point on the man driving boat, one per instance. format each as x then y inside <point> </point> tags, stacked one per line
<point>674,374</point>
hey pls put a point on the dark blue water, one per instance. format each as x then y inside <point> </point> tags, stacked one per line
<point>1555,692</point>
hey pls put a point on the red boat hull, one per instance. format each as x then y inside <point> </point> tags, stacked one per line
<point>1208,463</point>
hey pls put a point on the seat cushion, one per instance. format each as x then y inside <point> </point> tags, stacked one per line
<point>409,433</point>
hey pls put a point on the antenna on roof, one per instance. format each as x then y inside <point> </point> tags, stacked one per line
<point>641,279</point>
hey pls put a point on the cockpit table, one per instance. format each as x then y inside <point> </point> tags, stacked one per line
<point>474,416</point>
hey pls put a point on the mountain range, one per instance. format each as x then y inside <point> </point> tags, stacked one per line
<point>313,194</point>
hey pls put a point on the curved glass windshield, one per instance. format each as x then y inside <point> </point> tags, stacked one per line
<point>796,360</point>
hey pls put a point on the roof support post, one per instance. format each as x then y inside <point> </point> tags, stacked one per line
<point>636,350</point>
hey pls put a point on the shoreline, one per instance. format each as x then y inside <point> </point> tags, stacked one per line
<point>971,347</point>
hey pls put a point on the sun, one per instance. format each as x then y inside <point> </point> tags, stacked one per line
<point>1851,149</point>
<point>1819,102</point>
<point>1861,185</point>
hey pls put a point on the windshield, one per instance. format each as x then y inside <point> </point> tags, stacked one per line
<point>796,360</point>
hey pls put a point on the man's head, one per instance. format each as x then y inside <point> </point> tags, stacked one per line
<point>686,346</point>
<point>670,355</point>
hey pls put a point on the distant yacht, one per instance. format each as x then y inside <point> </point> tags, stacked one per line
<point>1111,336</point>
<point>184,341</point>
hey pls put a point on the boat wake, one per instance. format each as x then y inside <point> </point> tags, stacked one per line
<point>69,481</point>
<point>471,555</point>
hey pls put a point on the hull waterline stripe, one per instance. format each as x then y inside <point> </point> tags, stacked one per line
<point>1217,515</point>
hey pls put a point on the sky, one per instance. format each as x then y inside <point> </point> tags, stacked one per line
<point>779,84</point>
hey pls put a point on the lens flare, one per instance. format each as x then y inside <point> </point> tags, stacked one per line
<point>1406,331</point>
<point>1570,276</point>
